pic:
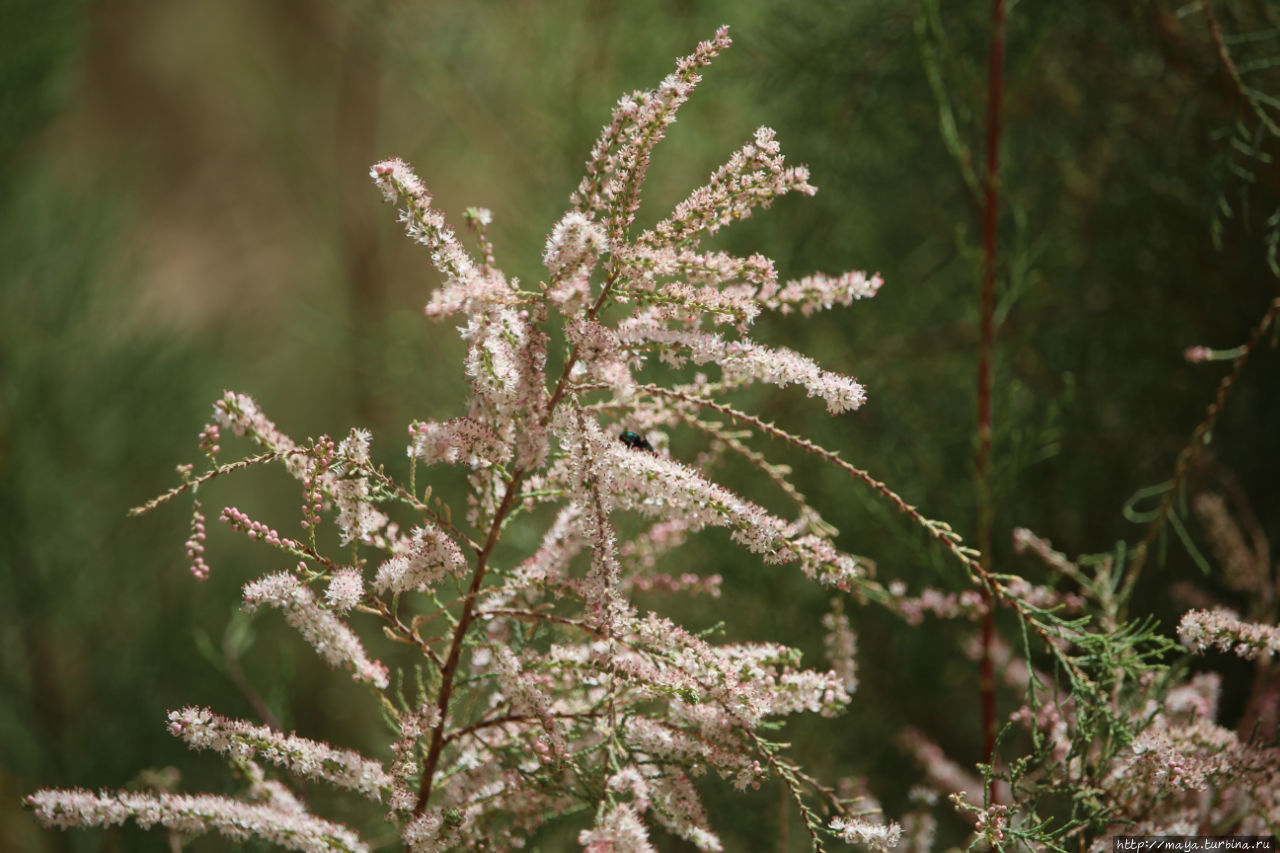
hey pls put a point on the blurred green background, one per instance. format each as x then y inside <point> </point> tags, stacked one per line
<point>184,207</point>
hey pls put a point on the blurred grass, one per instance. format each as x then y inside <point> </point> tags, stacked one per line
<point>186,208</point>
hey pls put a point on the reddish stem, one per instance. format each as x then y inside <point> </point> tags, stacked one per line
<point>468,615</point>
<point>986,508</point>
<point>450,668</point>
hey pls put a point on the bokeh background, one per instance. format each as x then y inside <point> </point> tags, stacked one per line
<point>184,207</point>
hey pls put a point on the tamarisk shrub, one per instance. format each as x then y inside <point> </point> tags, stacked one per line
<point>543,689</point>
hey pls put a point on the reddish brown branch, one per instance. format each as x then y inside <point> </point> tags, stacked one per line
<point>517,718</point>
<point>455,649</point>
<point>986,497</point>
<point>468,616</point>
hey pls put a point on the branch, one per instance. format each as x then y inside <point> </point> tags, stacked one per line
<point>986,497</point>
<point>1199,437</point>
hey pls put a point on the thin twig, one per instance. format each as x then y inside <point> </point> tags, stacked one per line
<point>939,530</point>
<point>1234,73</point>
<point>201,480</point>
<point>1199,437</point>
<point>409,634</point>
<point>516,718</point>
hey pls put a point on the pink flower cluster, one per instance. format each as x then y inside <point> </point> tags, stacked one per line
<point>687,582</point>
<point>195,545</point>
<point>344,768</point>
<point>457,441</point>
<point>346,588</point>
<point>821,292</point>
<point>423,223</point>
<point>619,160</point>
<point>873,836</point>
<point>1201,630</point>
<point>238,520</point>
<point>333,640</point>
<point>420,563</point>
<point>841,645</point>
<point>755,175</point>
<point>236,820</point>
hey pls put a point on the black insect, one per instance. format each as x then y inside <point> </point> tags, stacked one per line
<point>635,441</point>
